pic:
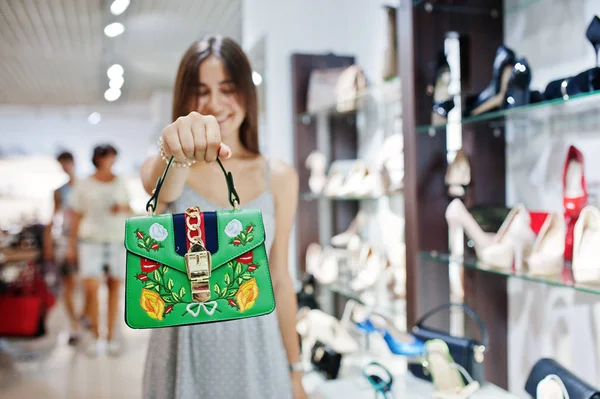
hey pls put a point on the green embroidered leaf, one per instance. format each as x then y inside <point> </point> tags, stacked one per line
<point>227,279</point>
<point>170,284</point>
<point>156,275</point>
<point>246,276</point>
<point>238,268</point>
<point>167,299</point>
<point>243,236</point>
<point>147,240</point>
<point>230,264</point>
<point>165,269</point>
<point>217,290</point>
<point>231,293</point>
<point>175,296</point>
<point>157,288</point>
<point>149,285</point>
<point>182,292</point>
<point>141,244</point>
<point>240,280</point>
<point>250,238</point>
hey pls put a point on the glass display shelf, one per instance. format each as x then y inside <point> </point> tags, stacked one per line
<point>315,197</point>
<point>574,111</point>
<point>382,95</point>
<point>510,7</point>
<point>562,279</point>
<point>389,308</point>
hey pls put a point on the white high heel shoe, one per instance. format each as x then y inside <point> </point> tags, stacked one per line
<point>513,240</point>
<point>371,268</point>
<point>316,325</point>
<point>551,387</point>
<point>458,216</point>
<point>586,246</point>
<point>357,224</point>
<point>316,163</point>
<point>547,254</point>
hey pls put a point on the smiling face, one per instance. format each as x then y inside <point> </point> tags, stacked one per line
<point>217,95</point>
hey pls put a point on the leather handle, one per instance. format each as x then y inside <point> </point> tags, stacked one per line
<point>470,312</point>
<point>234,198</point>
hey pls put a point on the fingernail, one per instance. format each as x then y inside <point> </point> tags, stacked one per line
<point>225,151</point>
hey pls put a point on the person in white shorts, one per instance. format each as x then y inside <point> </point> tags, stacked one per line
<point>100,207</point>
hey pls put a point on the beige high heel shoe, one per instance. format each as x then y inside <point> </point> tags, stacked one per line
<point>356,226</point>
<point>551,387</point>
<point>459,217</point>
<point>458,174</point>
<point>354,180</point>
<point>371,267</point>
<point>586,246</point>
<point>316,163</point>
<point>547,254</point>
<point>512,241</point>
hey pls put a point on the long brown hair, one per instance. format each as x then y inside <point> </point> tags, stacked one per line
<point>237,65</point>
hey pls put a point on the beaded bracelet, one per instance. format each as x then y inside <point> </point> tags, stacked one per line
<point>187,163</point>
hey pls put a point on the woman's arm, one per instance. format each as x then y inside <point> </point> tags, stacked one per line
<point>284,182</point>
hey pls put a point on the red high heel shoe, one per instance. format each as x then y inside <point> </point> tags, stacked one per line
<point>575,196</point>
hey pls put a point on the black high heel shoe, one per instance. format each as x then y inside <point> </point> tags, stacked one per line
<point>517,90</point>
<point>593,35</point>
<point>442,101</point>
<point>494,95</point>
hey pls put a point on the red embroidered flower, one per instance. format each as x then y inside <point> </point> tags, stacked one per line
<point>249,229</point>
<point>246,258</point>
<point>232,303</point>
<point>236,242</point>
<point>155,246</point>
<point>148,265</point>
<point>252,268</point>
<point>142,277</point>
<point>139,235</point>
<point>168,309</point>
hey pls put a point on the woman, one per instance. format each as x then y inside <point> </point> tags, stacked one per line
<point>215,113</point>
<point>100,205</point>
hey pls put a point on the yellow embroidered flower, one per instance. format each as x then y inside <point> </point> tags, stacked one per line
<point>247,294</point>
<point>153,304</point>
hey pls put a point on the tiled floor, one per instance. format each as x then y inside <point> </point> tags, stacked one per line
<point>52,369</point>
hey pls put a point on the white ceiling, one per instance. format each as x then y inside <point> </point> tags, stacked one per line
<point>55,51</point>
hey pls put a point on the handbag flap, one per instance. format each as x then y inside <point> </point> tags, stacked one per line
<point>576,387</point>
<point>158,238</point>
<point>460,348</point>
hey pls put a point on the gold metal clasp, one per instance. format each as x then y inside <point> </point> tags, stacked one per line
<point>198,263</point>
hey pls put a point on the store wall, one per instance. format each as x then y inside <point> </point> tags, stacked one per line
<point>546,321</point>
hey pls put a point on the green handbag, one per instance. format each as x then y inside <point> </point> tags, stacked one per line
<point>196,267</point>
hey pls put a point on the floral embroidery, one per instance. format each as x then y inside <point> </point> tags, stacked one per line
<point>243,236</point>
<point>158,232</point>
<point>152,304</point>
<point>233,228</point>
<point>247,294</point>
<point>236,291</point>
<point>147,241</point>
<point>155,282</point>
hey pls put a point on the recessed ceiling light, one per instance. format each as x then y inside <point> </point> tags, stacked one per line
<point>94,118</point>
<point>256,78</point>
<point>119,6</point>
<point>114,71</point>
<point>112,94</point>
<point>114,29</point>
<point>116,82</point>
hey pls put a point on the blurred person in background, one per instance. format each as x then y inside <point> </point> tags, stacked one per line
<point>215,113</point>
<point>56,242</point>
<point>100,205</point>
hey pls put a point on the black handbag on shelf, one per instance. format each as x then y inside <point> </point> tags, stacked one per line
<point>326,360</point>
<point>576,388</point>
<point>467,352</point>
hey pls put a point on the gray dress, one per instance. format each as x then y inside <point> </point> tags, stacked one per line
<point>242,358</point>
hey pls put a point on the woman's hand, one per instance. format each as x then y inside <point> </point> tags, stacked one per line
<point>194,137</point>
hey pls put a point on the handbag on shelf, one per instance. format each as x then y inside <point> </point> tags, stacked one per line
<point>466,352</point>
<point>326,360</point>
<point>575,387</point>
<point>335,86</point>
<point>196,267</point>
